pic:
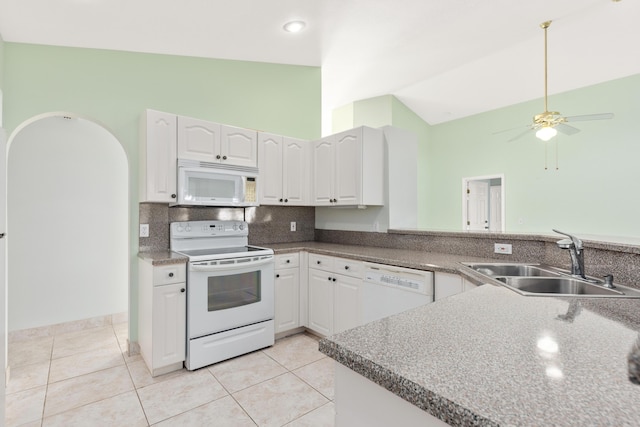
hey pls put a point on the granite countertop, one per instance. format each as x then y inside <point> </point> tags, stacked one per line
<point>163,257</point>
<point>492,357</point>
<point>420,260</point>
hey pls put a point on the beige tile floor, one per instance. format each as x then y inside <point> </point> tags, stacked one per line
<point>85,378</point>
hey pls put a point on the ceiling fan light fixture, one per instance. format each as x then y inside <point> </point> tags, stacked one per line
<point>294,26</point>
<point>545,133</point>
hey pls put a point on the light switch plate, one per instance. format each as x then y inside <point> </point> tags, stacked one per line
<point>502,248</point>
<point>293,226</point>
<point>144,230</point>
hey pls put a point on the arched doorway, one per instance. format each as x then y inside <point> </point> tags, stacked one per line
<point>67,212</point>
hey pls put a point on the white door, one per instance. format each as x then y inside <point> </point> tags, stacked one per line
<point>239,146</point>
<point>478,205</point>
<point>295,176</point>
<point>348,173</point>
<point>271,168</point>
<point>287,299</point>
<point>321,301</point>
<point>323,168</point>
<point>198,140</point>
<point>169,324</point>
<point>495,211</point>
<point>160,157</point>
<point>3,285</point>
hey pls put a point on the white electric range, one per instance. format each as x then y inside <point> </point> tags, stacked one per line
<point>230,290</point>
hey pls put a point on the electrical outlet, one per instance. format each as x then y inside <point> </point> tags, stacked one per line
<point>502,248</point>
<point>144,230</point>
<point>293,226</point>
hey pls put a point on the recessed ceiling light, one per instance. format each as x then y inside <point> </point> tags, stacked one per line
<point>294,26</point>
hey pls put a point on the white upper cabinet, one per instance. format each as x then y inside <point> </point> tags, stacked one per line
<point>215,143</point>
<point>284,170</point>
<point>348,168</point>
<point>157,157</point>
<point>239,146</point>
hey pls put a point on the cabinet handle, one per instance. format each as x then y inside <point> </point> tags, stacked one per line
<point>224,157</point>
<point>334,279</point>
<point>329,278</point>
<point>286,200</point>
<point>288,261</point>
<point>170,274</point>
<point>182,290</point>
<point>281,200</point>
<point>318,262</point>
<point>346,267</point>
<point>277,275</point>
<point>173,196</point>
<point>218,157</point>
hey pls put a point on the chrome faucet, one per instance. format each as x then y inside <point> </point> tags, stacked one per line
<point>576,250</point>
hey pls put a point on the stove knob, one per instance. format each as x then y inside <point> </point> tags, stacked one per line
<point>188,228</point>
<point>179,228</point>
<point>241,226</point>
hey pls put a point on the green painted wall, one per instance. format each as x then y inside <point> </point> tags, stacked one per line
<point>114,87</point>
<point>594,191</point>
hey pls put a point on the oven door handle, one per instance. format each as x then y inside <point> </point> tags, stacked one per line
<point>234,266</point>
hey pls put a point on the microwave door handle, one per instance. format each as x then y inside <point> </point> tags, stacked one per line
<point>234,266</point>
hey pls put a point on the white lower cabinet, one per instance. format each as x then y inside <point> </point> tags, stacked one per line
<point>287,292</point>
<point>162,316</point>
<point>447,284</point>
<point>334,294</point>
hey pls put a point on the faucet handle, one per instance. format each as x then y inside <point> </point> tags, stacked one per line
<point>576,242</point>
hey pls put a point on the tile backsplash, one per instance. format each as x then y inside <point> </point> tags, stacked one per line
<point>267,224</point>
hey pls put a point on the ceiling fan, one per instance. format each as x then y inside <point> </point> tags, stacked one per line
<point>548,123</point>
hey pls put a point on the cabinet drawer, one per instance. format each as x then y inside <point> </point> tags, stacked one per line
<point>287,260</point>
<point>321,262</point>
<point>166,274</point>
<point>348,267</point>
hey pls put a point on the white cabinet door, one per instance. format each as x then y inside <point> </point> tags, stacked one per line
<point>287,299</point>
<point>271,167</point>
<point>198,140</point>
<point>320,302</point>
<point>295,175</point>
<point>446,284</point>
<point>323,172</point>
<point>238,146</point>
<point>348,168</point>
<point>346,303</point>
<point>158,157</point>
<point>169,324</point>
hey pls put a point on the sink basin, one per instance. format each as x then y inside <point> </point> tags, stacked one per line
<point>556,286</point>
<point>512,270</point>
<point>543,280</point>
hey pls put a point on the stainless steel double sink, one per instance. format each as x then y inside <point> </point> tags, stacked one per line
<point>543,280</point>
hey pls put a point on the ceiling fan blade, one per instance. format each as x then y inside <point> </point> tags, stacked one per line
<point>566,129</point>
<point>510,129</point>
<point>587,117</point>
<point>520,135</point>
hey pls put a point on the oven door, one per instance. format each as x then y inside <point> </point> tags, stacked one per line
<point>230,293</point>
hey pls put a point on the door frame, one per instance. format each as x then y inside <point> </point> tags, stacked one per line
<point>465,182</point>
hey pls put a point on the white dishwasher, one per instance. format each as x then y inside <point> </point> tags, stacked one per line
<point>390,290</point>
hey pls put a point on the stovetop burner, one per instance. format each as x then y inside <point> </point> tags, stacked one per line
<point>210,240</point>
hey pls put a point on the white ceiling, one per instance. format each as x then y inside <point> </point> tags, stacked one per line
<point>445,59</point>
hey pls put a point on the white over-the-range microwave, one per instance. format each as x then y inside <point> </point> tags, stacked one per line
<point>212,184</point>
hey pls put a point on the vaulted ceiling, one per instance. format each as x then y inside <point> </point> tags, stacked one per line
<point>445,59</point>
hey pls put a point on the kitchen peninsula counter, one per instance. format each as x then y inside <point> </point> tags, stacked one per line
<point>493,357</point>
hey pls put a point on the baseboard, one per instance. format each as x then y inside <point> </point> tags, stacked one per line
<point>61,328</point>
